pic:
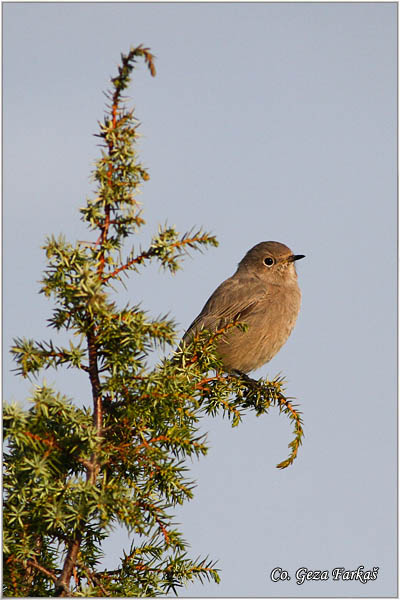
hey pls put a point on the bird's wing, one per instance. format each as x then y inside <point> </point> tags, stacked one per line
<point>233,299</point>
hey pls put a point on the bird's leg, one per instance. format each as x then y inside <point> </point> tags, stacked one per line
<point>252,382</point>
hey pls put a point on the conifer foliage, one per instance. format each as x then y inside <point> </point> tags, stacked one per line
<point>73,474</point>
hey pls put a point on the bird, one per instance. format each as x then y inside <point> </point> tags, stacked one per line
<point>264,294</point>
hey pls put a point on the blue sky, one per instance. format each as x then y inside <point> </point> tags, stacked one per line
<point>266,121</point>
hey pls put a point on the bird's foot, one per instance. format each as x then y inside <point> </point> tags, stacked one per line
<point>249,380</point>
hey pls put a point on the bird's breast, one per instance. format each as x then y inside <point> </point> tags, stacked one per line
<point>269,326</point>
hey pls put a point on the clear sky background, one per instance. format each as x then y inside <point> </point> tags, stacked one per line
<point>265,122</point>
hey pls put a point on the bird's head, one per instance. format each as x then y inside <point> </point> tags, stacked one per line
<point>271,261</point>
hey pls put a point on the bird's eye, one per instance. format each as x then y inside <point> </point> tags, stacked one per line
<point>268,261</point>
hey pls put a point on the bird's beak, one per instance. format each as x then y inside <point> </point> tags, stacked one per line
<point>294,257</point>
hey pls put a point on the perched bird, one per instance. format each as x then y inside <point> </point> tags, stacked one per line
<point>264,294</point>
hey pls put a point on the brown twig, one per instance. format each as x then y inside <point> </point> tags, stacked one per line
<point>92,466</point>
<point>62,583</point>
<point>35,565</point>
<point>150,253</point>
<point>95,382</point>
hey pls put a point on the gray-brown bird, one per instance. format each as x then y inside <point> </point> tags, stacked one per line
<point>264,294</point>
